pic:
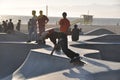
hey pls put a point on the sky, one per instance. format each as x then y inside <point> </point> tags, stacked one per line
<point>74,8</point>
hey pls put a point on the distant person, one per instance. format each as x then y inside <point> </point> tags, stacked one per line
<point>64,26</point>
<point>81,32</point>
<point>53,36</point>
<point>1,28</point>
<point>75,33</point>
<point>42,20</point>
<point>5,26</point>
<point>10,26</point>
<point>33,27</point>
<point>6,21</point>
<point>117,24</point>
<point>29,25</point>
<point>18,25</point>
<point>64,23</point>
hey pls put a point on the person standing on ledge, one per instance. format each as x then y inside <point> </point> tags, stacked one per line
<point>10,26</point>
<point>42,20</point>
<point>33,27</point>
<point>18,25</point>
<point>64,23</point>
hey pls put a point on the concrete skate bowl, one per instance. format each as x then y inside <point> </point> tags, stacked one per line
<point>12,55</point>
<point>107,51</point>
<point>99,31</point>
<point>109,75</point>
<point>17,36</point>
<point>106,38</point>
<point>37,64</point>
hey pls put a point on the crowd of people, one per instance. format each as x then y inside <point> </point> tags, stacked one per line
<point>8,26</point>
<point>58,38</point>
<point>37,22</point>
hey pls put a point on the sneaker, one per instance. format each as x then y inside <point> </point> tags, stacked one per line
<point>81,62</point>
<point>78,55</point>
<point>41,42</point>
<point>28,41</point>
<point>44,42</point>
<point>36,41</point>
<point>77,58</point>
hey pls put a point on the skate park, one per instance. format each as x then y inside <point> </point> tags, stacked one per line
<point>22,61</point>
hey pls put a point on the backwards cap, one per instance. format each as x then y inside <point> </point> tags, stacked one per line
<point>50,31</point>
<point>44,34</point>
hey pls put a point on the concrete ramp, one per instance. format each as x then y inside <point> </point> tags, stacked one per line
<point>12,55</point>
<point>108,51</point>
<point>99,31</point>
<point>17,36</point>
<point>42,66</point>
<point>38,64</point>
<point>107,38</point>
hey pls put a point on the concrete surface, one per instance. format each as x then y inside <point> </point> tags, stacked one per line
<point>12,55</point>
<point>39,65</point>
<point>99,31</point>
<point>107,51</point>
<point>17,36</point>
<point>108,46</point>
<point>42,66</point>
<point>13,52</point>
<point>106,38</point>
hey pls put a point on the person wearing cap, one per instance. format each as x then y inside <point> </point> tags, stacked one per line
<point>62,40</point>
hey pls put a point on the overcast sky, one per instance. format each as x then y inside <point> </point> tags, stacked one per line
<point>74,8</point>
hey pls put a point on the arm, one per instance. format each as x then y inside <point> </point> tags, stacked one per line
<point>68,26</point>
<point>53,40</point>
<point>46,19</point>
<point>53,49</point>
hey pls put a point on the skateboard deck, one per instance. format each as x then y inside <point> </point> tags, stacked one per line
<point>77,61</point>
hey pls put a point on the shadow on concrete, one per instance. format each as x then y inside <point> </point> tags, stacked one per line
<point>108,51</point>
<point>38,64</point>
<point>13,51</point>
<point>109,75</point>
<point>93,55</point>
<point>17,36</point>
<point>98,64</point>
<point>12,56</point>
<point>79,74</point>
<point>82,74</point>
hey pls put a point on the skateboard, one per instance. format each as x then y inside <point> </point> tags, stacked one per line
<point>77,61</point>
